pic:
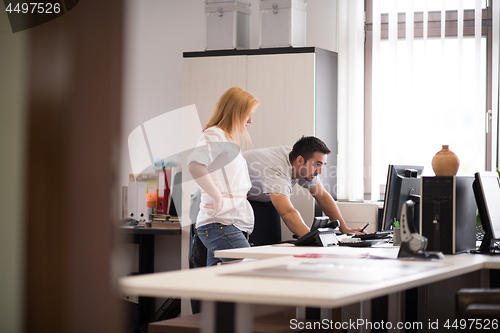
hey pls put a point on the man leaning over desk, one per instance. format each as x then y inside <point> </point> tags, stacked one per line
<point>274,171</point>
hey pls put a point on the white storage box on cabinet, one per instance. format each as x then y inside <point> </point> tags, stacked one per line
<point>282,23</point>
<point>227,24</point>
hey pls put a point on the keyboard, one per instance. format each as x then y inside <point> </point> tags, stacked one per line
<point>375,235</point>
<point>355,244</point>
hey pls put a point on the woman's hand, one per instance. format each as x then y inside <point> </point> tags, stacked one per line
<point>203,179</point>
<point>215,205</point>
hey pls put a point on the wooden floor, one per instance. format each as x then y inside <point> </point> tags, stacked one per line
<point>192,324</point>
<point>278,322</point>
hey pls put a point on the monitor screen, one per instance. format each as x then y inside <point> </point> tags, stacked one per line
<point>487,192</point>
<point>403,183</point>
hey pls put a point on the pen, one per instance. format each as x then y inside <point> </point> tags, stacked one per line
<point>365,227</point>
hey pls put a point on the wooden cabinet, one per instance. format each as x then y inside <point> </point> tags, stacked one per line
<point>297,90</point>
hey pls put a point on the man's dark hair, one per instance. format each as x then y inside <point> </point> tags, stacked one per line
<point>307,146</point>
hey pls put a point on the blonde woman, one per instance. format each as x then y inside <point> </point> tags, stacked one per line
<point>225,218</point>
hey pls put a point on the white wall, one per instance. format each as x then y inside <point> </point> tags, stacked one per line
<point>157,32</point>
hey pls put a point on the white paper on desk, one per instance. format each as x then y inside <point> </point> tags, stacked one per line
<point>359,271</point>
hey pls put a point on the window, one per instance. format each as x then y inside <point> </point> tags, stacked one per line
<point>427,86</point>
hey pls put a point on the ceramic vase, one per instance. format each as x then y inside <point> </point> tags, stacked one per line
<point>445,162</point>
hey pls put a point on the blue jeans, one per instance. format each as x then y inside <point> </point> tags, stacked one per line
<point>217,236</point>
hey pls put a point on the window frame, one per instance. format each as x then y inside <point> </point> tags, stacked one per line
<point>434,30</point>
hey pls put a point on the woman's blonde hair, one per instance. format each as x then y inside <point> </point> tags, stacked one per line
<point>232,109</point>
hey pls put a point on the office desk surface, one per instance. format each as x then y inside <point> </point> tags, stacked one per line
<point>283,250</point>
<point>220,283</point>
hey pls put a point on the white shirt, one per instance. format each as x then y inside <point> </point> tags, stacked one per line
<point>271,172</point>
<point>222,156</point>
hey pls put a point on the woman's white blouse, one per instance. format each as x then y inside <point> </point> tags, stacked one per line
<point>229,171</point>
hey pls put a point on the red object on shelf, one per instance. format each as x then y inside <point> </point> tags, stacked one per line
<point>163,197</point>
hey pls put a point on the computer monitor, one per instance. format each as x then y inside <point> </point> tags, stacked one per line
<point>403,183</point>
<point>486,188</point>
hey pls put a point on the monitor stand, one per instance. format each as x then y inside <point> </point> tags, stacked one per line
<point>487,246</point>
<point>406,253</point>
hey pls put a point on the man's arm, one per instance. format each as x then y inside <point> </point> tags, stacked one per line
<point>289,214</point>
<point>330,208</point>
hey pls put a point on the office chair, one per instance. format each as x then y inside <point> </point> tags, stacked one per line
<point>478,303</point>
<point>267,227</point>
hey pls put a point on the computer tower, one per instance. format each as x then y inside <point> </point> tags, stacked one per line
<point>448,213</point>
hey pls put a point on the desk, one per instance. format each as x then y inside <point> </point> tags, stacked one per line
<point>285,250</point>
<point>412,301</point>
<point>220,284</point>
<point>144,237</point>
